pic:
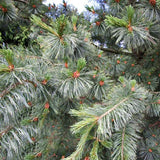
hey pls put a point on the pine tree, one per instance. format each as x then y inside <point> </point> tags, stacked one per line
<point>74,89</point>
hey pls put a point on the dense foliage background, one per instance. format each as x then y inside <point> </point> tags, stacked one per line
<point>80,86</point>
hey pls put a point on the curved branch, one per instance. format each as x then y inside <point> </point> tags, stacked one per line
<point>109,50</point>
<point>23,1</point>
<point>7,90</point>
<point>37,57</point>
<point>5,131</point>
<point>154,92</point>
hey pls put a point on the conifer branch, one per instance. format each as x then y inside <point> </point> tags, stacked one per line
<point>122,147</point>
<point>37,57</point>
<point>110,112</point>
<point>80,147</point>
<point>23,1</point>
<point>154,92</point>
<point>5,131</point>
<point>43,25</point>
<point>7,90</point>
<point>112,109</point>
<point>109,50</point>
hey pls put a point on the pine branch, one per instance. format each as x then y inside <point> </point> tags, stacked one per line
<point>77,155</point>
<point>94,151</point>
<point>109,50</point>
<point>125,141</point>
<point>23,1</point>
<point>7,90</point>
<point>112,109</point>
<point>43,25</point>
<point>38,57</point>
<point>5,131</point>
<point>154,92</point>
<point>122,147</point>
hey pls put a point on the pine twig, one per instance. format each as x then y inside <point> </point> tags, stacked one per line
<point>122,147</point>
<point>23,1</point>
<point>7,90</point>
<point>5,131</point>
<point>110,110</point>
<point>109,50</point>
<point>37,57</point>
<point>154,92</point>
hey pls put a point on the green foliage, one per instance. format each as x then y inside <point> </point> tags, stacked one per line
<point>77,155</point>
<point>121,79</point>
<point>90,81</point>
<point>125,142</point>
<point>25,122</point>
<point>34,6</point>
<point>106,144</point>
<point>153,109</point>
<point>72,84</point>
<point>23,36</point>
<point>81,63</point>
<point>130,13</point>
<point>152,10</point>
<point>149,148</point>
<point>133,83</point>
<point>36,20</point>
<point>114,21</point>
<point>158,4</point>
<point>4,68</point>
<point>8,11</point>
<point>1,40</point>
<point>8,55</point>
<point>94,151</point>
<point>74,19</point>
<point>129,31</point>
<point>60,40</point>
<point>29,157</point>
<point>101,83</point>
<point>107,116</point>
<point>61,25</point>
